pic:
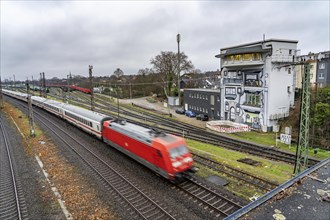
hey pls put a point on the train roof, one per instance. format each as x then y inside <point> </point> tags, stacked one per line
<point>39,99</point>
<point>15,93</point>
<point>140,133</point>
<point>84,112</point>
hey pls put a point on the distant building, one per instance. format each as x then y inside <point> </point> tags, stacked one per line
<point>257,82</point>
<point>205,101</point>
<point>319,69</point>
<point>323,69</point>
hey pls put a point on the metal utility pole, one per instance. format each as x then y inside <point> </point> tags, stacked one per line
<point>178,40</point>
<point>314,113</point>
<point>32,82</point>
<point>68,88</point>
<point>1,97</point>
<point>130,90</point>
<point>117,100</point>
<point>44,85</point>
<point>14,81</point>
<point>303,139</point>
<point>40,85</point>
<point>31,123</point>
<point>91,87</point>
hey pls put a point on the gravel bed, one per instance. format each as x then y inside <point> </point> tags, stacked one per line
<point>40,200</point>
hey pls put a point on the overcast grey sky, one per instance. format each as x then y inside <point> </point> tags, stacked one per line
<point>57,37</point>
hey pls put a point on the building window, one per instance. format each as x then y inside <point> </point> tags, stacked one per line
<point>252,79</point>
<point>256,56</point>
<point>218,98</point>
<point>230,91</point>
<point>253,99</point>
<point>289,89</point>
<point>321,75</point>
<point>238,57</point>
<point>227,106</point>
<point>212,100</point>
<point>237,108</point>
<point>290,52</point>
<point>321,66</point>
<point>247,57</point>
<point>289,71</point>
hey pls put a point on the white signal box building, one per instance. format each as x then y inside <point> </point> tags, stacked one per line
<point>257,82</point>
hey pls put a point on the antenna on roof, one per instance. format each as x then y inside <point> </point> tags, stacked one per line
<point>264,37</point>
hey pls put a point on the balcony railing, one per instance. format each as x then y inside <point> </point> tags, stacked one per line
<point>251,108</point>
<point>242,62</point>
<point>232,80</point>
<point>278,58</point>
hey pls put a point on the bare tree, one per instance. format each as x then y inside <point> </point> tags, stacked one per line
<point>118,73</point>
<point>166,63</point>
<point>145,72</point>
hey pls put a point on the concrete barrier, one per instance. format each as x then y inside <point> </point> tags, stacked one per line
<point>227,126</point>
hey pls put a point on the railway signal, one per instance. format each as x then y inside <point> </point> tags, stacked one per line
<point>91,87</point>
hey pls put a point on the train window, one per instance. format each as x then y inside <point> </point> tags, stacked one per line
<point>90,124</point>
<point>178,151</point>
<point>98,128</point>
<point>159,153</point>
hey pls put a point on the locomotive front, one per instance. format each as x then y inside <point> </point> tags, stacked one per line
<point>179,157</point>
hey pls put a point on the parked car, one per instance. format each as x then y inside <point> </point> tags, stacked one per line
<point>190,114</point>
<point>203,117</point>
<point>180,111</point>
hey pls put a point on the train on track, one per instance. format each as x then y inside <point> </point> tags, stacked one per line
<point>165,154</point>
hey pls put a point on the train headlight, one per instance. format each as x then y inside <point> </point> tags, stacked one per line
<point>187,159</point>
<point>176,164</point>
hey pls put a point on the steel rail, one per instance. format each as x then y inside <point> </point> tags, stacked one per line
<point>12,173</point>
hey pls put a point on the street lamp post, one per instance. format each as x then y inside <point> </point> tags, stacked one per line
<point>178,40</point>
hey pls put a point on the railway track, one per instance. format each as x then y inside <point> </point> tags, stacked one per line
<point>195,133</point>
<point>12,204</point>
<point>139,204</point>
<point>219,205</point>
<point>238,174</point>
<point>192,132</point>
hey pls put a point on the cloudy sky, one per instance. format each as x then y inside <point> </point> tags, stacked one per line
<point>58,37</point>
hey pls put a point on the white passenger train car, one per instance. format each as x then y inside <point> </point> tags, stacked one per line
<point>89,121</point>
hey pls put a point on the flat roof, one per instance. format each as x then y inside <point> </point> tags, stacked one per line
<point>306,196</point>
<point>204,90</point>
<point>262,41</point>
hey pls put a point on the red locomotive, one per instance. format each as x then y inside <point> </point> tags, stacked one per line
<point>165,154</point>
